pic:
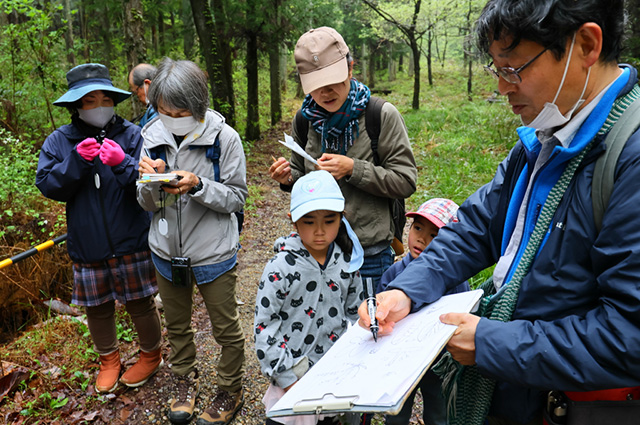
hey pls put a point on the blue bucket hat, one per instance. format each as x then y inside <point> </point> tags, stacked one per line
<point>86,78</point>
<point>318,190</point>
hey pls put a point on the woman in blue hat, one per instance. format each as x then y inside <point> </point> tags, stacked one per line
<point>92,165</point>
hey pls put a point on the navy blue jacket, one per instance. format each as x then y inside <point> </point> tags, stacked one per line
<point>101,223</point>
<point>576,324</point>
<point>396,268</point>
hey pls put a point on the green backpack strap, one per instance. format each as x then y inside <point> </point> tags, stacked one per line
<point>603,174</point>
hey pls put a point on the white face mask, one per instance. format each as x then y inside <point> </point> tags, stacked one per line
<point>550,116</point>
<point>97,117</point>
<point>180,126</point>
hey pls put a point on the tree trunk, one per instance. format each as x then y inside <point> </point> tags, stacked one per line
<point>188,31</point>
<point>284,55</point>
<point>106,36</point>
<point>161,31</point>
<point>392,64</point>
<point>365,62</point>
<point>84,30</point>
<point>203,21</point>
<point>274,64</point>
<point>134,41</point>
<point>633,42</point>
<point>429,70</point>
<point>371,82</point>
<point>253,117</point>
<point>415,104</point>
<point>223,46</point>
<point>274,79</point>
<point>467,56</point>
<point>68,35</point>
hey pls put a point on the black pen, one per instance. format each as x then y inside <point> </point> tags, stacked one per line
<point>147,153</point>
<point>370,297</point>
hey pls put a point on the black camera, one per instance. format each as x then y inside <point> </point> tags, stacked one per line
<point>180,271</point>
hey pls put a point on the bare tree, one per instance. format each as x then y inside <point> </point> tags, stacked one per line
<point>411,36</point>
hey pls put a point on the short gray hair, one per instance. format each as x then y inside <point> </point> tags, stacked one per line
<point>180,85</point>
<point>141,72</point>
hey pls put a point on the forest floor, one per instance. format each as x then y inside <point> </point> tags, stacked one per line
<point>265,221</point>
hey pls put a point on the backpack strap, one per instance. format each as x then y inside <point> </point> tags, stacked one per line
<point>212,153</point>
<point>301,125</point>
<point>603,174</point>
<point>373,122</point>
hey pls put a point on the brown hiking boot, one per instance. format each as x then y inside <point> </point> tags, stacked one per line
<point>185,390</point>
<point>223,409</point>
<point>107,379</point>
<point>147,364</point>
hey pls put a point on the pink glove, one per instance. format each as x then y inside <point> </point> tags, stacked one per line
<point>88,148</point>
<point>111,153</point>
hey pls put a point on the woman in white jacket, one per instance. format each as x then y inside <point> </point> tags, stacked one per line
<point>194,231</point>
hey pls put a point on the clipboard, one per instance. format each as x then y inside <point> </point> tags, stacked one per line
<point>358,375</point>
<point>157,178</point>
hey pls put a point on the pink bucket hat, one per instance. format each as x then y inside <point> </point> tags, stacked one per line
<point>321,58</point>
<point>439,211</point>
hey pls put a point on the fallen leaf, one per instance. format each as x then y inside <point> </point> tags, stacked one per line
<point>11,381</point>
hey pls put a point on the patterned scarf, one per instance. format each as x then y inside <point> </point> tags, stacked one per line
<point>337,129</point>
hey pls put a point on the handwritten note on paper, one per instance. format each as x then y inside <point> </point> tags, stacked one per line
<point>381,373</point>
<point>291,144</point>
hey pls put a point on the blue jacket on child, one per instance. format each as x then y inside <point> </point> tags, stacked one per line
<point>397,268</point>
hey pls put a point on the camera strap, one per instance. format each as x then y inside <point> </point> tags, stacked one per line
<point>179,214</point>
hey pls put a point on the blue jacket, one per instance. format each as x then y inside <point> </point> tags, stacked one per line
<point>148,115</point>
<point>396,268</point>
<point>576,325</point>
<point>101,223</point>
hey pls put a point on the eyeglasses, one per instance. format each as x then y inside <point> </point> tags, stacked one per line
<point>509,74</point>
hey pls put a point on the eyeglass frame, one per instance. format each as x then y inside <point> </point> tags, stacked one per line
<point>507,71</point>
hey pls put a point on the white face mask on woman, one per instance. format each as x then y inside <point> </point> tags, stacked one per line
<point>180,126</point>
<point>97,117</point>
<point>550,116</point>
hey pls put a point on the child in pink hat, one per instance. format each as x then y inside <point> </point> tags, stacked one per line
<point>427,221</point>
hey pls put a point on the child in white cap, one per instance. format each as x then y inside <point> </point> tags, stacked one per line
<point>309,291</point>
<point>427,221</point>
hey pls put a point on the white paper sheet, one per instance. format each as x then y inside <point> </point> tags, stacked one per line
<point>381,373</point>
<point>291,144</point>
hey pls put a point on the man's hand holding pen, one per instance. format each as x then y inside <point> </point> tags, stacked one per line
<point>392,306</point>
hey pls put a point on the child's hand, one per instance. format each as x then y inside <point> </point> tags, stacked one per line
<point>393,305</point>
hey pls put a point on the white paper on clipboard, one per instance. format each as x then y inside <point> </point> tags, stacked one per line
<point>291,144</point>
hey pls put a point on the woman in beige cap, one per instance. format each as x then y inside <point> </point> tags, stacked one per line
<point>334,106</point>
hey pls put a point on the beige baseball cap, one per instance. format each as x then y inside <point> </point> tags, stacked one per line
<point>321,58</point>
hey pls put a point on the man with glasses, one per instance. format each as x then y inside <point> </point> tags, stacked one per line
<point>563,314</point>
<point>140,78</point>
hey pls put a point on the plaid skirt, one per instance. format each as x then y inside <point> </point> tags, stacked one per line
<point>125,278</point>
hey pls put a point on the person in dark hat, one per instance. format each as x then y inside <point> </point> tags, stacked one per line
<point>92,165</point>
